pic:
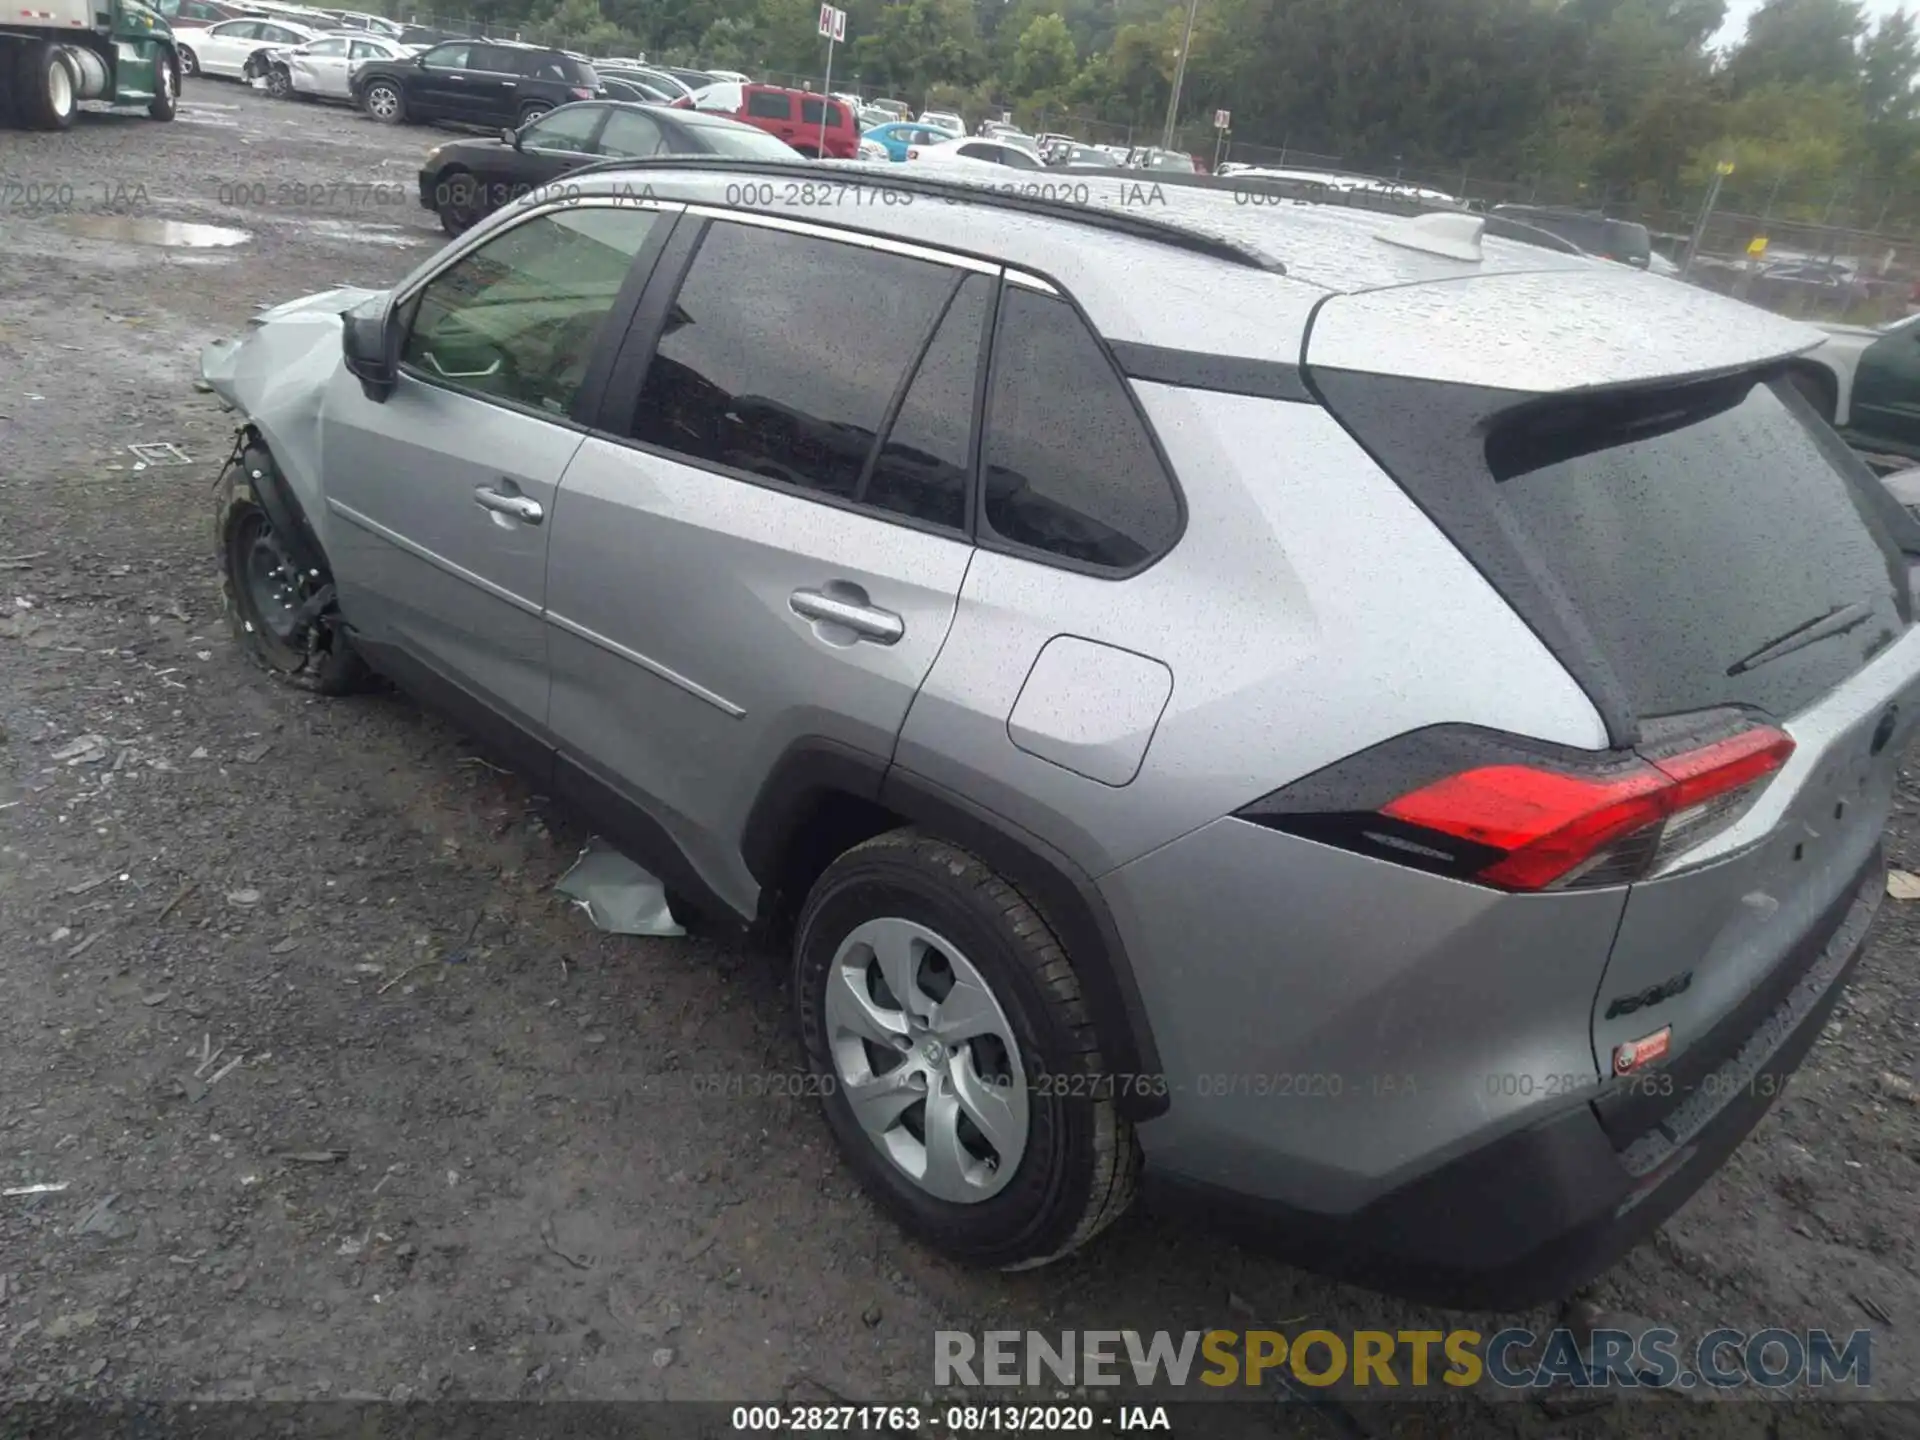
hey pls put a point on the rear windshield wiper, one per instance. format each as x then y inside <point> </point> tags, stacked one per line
<point>1835,622</point>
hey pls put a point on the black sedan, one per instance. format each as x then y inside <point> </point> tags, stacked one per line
<point>464,180</point>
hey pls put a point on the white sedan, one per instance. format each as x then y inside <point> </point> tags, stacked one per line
<point>321,68</point>
<point>973,153</point>
<point>225,48</point>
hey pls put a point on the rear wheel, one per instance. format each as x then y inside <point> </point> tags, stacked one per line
<point>48,95</point>
<point>385,103</point>
<point>280,83</point>
<point>189,62</point>
<point>956,1061</point>
<point>280,613</point>
<point>533,110</point>
<point>166,90</point>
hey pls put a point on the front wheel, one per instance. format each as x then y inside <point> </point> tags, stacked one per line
<point>384,102</point>
<point>958,1069</point>
<point>280,614</point>
<point>166,90</point>
<point>457,198</point>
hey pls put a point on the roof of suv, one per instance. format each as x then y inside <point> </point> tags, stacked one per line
<point>1241,275</point>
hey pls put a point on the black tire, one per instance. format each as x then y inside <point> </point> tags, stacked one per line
<point>1818,389</point>
<point>318,657</point>
<point>457,201</point>
<point>166,100</point>
<point>385,102</point>
<point>189,62</point>
<point>1077,1171</point>
<point>280,82</point>
<point>48,90</point>
<point>533,110</point>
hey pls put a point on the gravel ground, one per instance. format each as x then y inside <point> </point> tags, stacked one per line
<point>345,1103</point>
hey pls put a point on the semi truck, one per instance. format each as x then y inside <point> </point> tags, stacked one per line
<point>56,53</point>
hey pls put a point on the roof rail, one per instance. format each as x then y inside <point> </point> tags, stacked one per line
<point>1101,217</point>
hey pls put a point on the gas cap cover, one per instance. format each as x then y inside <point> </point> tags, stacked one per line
<point>1090,708</point>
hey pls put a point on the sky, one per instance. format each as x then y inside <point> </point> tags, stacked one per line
<point>1739,10</point>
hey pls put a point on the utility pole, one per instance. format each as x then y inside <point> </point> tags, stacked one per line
<point>1179,75</point>
<point>1720,173</point>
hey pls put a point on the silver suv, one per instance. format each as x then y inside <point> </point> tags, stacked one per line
<point>1390,726</point>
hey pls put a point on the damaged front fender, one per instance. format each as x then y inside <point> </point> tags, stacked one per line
<point>276,376</point>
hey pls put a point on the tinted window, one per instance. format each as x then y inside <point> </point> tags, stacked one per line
<point>539,64</point>
<point>1693,538</point>
<point>629,134</point>
<point>1020,160</point>
<point>1069,466</point>
<point>517,317</point>
<point>782,353</point>
<point>495,59</point>
<point>922,468</point>
<point>769,105</point>
<point>568,128</point>
<point>448,57</point>
<point>810,114</point>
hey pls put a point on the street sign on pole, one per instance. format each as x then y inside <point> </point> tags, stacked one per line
<point>1222,119</point>
<point>833,25</point>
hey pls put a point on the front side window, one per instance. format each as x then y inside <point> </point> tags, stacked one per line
<point>769,105</point>
<point>782,353</point>
<point>447,57</point>
<point>1069,467</point>
<point>569,129</point>
<point>810,111</point>
<point>517,318</point>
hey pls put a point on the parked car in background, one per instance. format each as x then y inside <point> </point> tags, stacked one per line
<point>654,80</point>
<point>372,24</point>
<point>473,82</point>
<point>692,79</point>
<point>971,153</point>
<point>734,76</point>
<point>1071,156</point>
<point>896,109</point>
<point>1624,241</point>
<point>201,13</point>
<point>944,120</point>
<point>899,136</point>
<point>423,37</point>
<point>463,181</point>
<point>814,125</point>
<point>224,48</point>
<point>1866,382</point>
<point>1152,157</point>
<point>323,69</point>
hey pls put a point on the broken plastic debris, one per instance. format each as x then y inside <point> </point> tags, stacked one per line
<point>1903,885</point>
<point>618,896</point>
<point>83,751</point>
<point>35,1190</point>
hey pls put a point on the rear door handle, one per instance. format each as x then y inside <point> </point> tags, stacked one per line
<point>867,621</point>
<point>517,506</point>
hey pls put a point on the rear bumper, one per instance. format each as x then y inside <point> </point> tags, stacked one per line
<point>1532,1216</point>
<point>429,182</point>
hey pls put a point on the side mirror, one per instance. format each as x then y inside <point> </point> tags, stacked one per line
<point>419,62</point>
<point>511,137</point>
<point>367,346</point>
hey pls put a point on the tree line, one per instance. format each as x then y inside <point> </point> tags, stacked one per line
<point>1621,99</point>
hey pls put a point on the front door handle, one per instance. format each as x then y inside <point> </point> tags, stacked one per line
<point>867,621</point>
<point>517,506</point>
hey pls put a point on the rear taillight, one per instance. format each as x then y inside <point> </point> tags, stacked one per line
<point>1449,801</point>
<point>580,93</point>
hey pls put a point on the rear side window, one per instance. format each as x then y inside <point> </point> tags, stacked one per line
<point>769,105</point>
<point>810,114</point>
<point>1070,470</point>
<point>782,353</point>
<point>923,467</point>
<point>1711,539</point>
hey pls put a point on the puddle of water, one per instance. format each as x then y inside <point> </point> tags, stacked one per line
<point>140,230</point>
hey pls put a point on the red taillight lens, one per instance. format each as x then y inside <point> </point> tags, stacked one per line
<point>578,93</point>
<point>1535,825</point>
